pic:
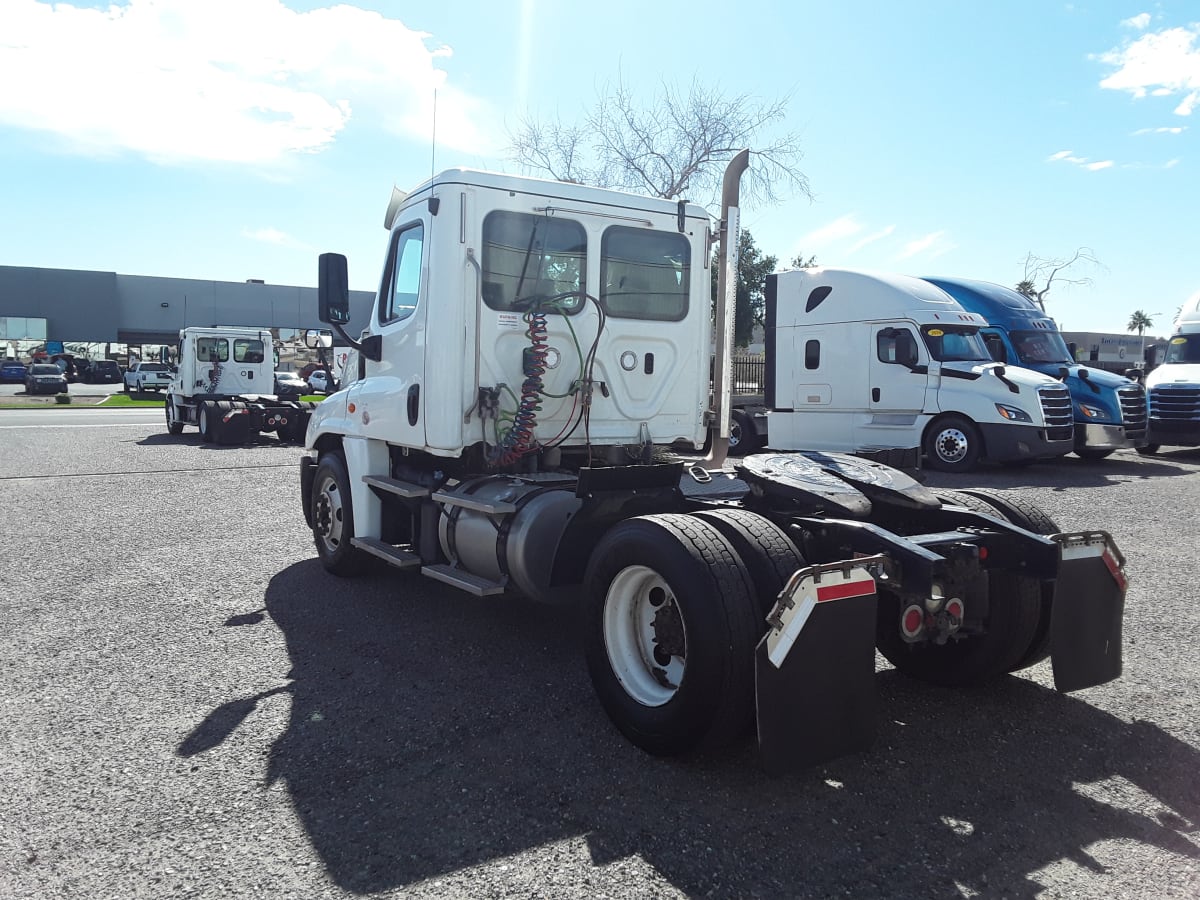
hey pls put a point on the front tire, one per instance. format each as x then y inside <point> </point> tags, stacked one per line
<point>743,439</point>
<point>1149,449</point>
<point>174,426</point>
<point>672,624</point>
<point>333,518</point>
<point>952,444</point>
<point>1092,454</point>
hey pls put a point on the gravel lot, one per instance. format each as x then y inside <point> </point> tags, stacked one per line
<point>193,708</point>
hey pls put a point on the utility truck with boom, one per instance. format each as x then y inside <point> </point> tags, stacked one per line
<point>225,386</point>
<point>1108,410</point>
<point>534,348</point>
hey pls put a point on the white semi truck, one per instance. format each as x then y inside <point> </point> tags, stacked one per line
<point>876,363</point>
<point>534,347</point>
<point>224,385</point>
<point>1173,386</point>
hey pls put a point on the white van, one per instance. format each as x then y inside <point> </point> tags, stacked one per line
<point>1173,387</point>
<point>861,362</point>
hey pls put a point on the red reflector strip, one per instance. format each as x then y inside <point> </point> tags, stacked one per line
<point>1114,569</point>
<point>828,592</point>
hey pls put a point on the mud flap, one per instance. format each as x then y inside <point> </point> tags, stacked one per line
<point>1089,602</point>
<point>815,667</point>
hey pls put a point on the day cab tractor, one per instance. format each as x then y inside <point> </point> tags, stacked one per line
<point>534,348</point>
<point>224,385</point>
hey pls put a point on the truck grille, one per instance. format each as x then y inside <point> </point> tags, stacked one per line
<point>1133,410</point>
<point>1175,402</point>
<point>1056,407</point>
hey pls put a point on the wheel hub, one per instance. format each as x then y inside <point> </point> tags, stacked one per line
<point>951,445</point>
<point>645,635</point>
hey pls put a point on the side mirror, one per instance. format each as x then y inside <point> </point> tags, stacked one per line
<point>314,339</point>
<point>1073,349</point>
<point>333,290</point>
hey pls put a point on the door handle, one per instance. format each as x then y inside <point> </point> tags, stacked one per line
<point>874,395</point>
<point>414,403</point>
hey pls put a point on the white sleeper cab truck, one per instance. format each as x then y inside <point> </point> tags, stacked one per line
<point>534,348</point>
<point>1173,387</point>
<point>866,361</point>
<point>225,387</point>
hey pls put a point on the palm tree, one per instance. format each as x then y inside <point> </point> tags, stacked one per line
<point>1139,322</point>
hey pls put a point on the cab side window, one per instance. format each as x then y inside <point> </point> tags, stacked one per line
<point>896,346</point>
<point>995,346</point>
<point>402,286</point>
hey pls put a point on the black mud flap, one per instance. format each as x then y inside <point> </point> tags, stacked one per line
<point>1089,602</point>
<point>815,667</point>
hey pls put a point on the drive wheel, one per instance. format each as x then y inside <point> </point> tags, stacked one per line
<point>743,438</point>
<point>1091,453</point>
<point>174,426</point>
<point>1149,449</point>
<point>333,518</point>
<point>1026,515</point>
<point>952,444</point>
<point>671,628</point>
<point>770,556</point>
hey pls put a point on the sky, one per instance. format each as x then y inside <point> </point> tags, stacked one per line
<point>237,139</point>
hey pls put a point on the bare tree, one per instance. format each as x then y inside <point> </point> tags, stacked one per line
<point>675,146</point>
<point>1046,271</point>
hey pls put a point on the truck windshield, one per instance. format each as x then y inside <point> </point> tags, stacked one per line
<point>1183,349</point>
<point>1040,347</point>
<point>955,343</point>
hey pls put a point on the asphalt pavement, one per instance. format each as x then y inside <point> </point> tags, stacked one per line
<point>194,708</point>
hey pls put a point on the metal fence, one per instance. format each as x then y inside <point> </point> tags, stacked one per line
<point>749,373</point>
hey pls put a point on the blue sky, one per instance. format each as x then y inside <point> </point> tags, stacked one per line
<point>235,139</point>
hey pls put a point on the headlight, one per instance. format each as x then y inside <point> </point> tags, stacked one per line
<point>1012,413</point>
<point>1093,412</point>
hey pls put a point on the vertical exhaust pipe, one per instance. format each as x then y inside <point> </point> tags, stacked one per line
<point>730,229</point>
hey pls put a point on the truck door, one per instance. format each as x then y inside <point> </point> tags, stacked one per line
<point>899,374</point>
<point>390,402</point>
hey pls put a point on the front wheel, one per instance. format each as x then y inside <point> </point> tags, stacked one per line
<point>174,426</point>
<point>333,518</point>
<point>1091,453</point>
<point>952,444</point>
<point>1149,449</point>
<point>743,439</point>
<point>672,625</point>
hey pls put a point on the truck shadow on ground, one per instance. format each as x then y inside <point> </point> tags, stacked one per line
<point>432,731</point>
<point>163,439</point>
<point>1069,472</point>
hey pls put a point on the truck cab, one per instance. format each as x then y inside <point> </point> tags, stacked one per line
<point>1109,410</point>
<point>867,362</point>
<point>1173,386</point>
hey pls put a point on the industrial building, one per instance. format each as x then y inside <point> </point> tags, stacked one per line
<point>102,308</point>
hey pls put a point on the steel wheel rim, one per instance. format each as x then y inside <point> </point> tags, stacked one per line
<point>641,615</point>
<point>951,445</point>
<point>329,514</point>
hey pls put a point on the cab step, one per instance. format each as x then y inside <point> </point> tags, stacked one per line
<point>405,489</point>
<point>466,501</point>
<point>472,584</point>
<point>392,555</point>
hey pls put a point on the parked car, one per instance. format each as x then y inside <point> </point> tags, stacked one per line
<point>45,378</point>
<point>103,371</point>
<point>289,384</point>
<point>12,370</point>
<point>147,376</point>
<point>318,382</point>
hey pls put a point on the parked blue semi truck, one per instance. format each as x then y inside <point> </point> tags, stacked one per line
<point>1110,410</point>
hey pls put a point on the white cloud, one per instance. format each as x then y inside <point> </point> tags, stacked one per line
<point>1172,130</point>
<point>837,230</point>
<point>1139,21</point>
<point>1163,63</point>
<point>242,81</point>
<point>1097,166</point>
<point>932,245</point>
<point>270,236</point>
<point>1081,161</point>
<point>871,238</point>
